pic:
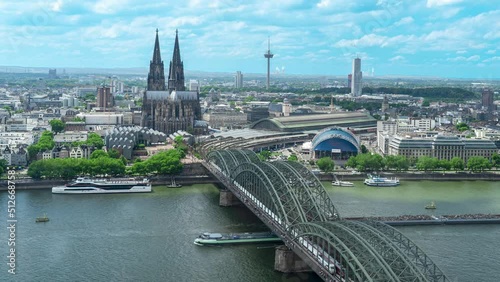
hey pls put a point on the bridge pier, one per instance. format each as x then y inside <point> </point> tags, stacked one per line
<point>228,199</point>
<point>285,260</point>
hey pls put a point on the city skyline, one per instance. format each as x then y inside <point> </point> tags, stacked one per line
<point>445,38</point>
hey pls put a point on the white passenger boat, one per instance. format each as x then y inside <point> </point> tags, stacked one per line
<point>85,185</point>
<point>376,180</point>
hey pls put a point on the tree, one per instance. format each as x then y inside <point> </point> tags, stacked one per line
<point>57,125</point>
<point>457,163</point>
<point>444,164</point>
<point>325,164</point>
<point>478,164</point>
<point>495,160</point>
<point>99,154</point>
<point>461,126</point>
<point>45,142</point>
<point>114,154</point>
<point>93,139</point>
<point>397,162</point>
<point>427,163</point>
<point>293,158</point>
<point>364,162</point>
<point>3,166</point>
<point>364,150</point>
<point>264,155</point>
<point>166,162</point>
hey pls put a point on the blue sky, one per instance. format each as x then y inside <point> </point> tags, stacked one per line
<point>448,38</point>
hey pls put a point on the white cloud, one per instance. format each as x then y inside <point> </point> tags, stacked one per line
<point>56,6</point>
<point>433,3</point>
<point>491,52</point>
<point>449,13</point>
<point>461,51</point>
<point>109,6</point>
<point>492,59</point>
<point>403,21</point>
<point>323,4</point>
<point>398,58</point>
<point>473,58</point>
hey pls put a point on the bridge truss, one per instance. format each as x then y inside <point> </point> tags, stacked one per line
<point>293,203</point>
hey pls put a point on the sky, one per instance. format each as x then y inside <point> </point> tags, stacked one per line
<point>444,38</point>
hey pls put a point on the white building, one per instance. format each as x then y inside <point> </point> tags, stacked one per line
<point>194,85</point>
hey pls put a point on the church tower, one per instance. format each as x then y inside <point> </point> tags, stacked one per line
<point>176,73</point>
<point>156,76</point>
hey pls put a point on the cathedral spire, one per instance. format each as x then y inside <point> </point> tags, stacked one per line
<point>156,52</point>
<point>176,72</point>
<point>156,76</point>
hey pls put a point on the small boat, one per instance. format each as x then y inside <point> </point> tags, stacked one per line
<point>342,183</point>
<point>173,184</point>
<point>44,218</point>
<point>208,238</point>
<point>431,206</point>
<point>376,180</point>
<point>338,182</point>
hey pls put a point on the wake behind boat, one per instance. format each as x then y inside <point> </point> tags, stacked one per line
<point>208,238</point>
<point>85,185</point>
<point>376,180</point>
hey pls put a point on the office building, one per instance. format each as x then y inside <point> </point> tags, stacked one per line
<point>357,76</point>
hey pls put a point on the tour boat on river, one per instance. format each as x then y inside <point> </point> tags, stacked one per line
<point>85,185</point>
<point>376,180</point>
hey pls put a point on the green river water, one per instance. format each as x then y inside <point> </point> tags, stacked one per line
<point>149,237</point>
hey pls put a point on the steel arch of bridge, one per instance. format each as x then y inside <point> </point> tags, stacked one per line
<point>297,202</point>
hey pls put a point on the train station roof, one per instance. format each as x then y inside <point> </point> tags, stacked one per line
<point>316,121</point>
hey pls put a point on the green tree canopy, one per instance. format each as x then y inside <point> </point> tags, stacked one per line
<point>93,139</point>
<point>163,163</point>
<point>57,125</point>
<point>427,163</point>
<point>478,164</point>
<point>98,154</point>
<point>366,162</point>
<point>461,126</point>
<point>293,158</point>
<point>397,162</point>
<point>264,155</point>
<point>495,160</point>
<point>457,163</point>
<point>325,164</point>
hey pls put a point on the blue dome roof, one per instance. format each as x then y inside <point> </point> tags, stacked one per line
<point>335,138</point>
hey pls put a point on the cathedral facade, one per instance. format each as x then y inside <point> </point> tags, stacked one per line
<point>167,106</point>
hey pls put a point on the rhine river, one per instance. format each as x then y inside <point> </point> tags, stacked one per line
<point>149,237</point>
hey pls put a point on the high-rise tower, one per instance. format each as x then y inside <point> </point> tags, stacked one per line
<point>357,76</point>
<point>156,76</point>
<point>176,72</point>
<point>268,56</point>
<point>487,101</point>
<point>238,80</point>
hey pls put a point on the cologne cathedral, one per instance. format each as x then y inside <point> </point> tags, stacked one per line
<point>167,106</point>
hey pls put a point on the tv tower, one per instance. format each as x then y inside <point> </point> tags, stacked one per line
<point>268,56</point>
